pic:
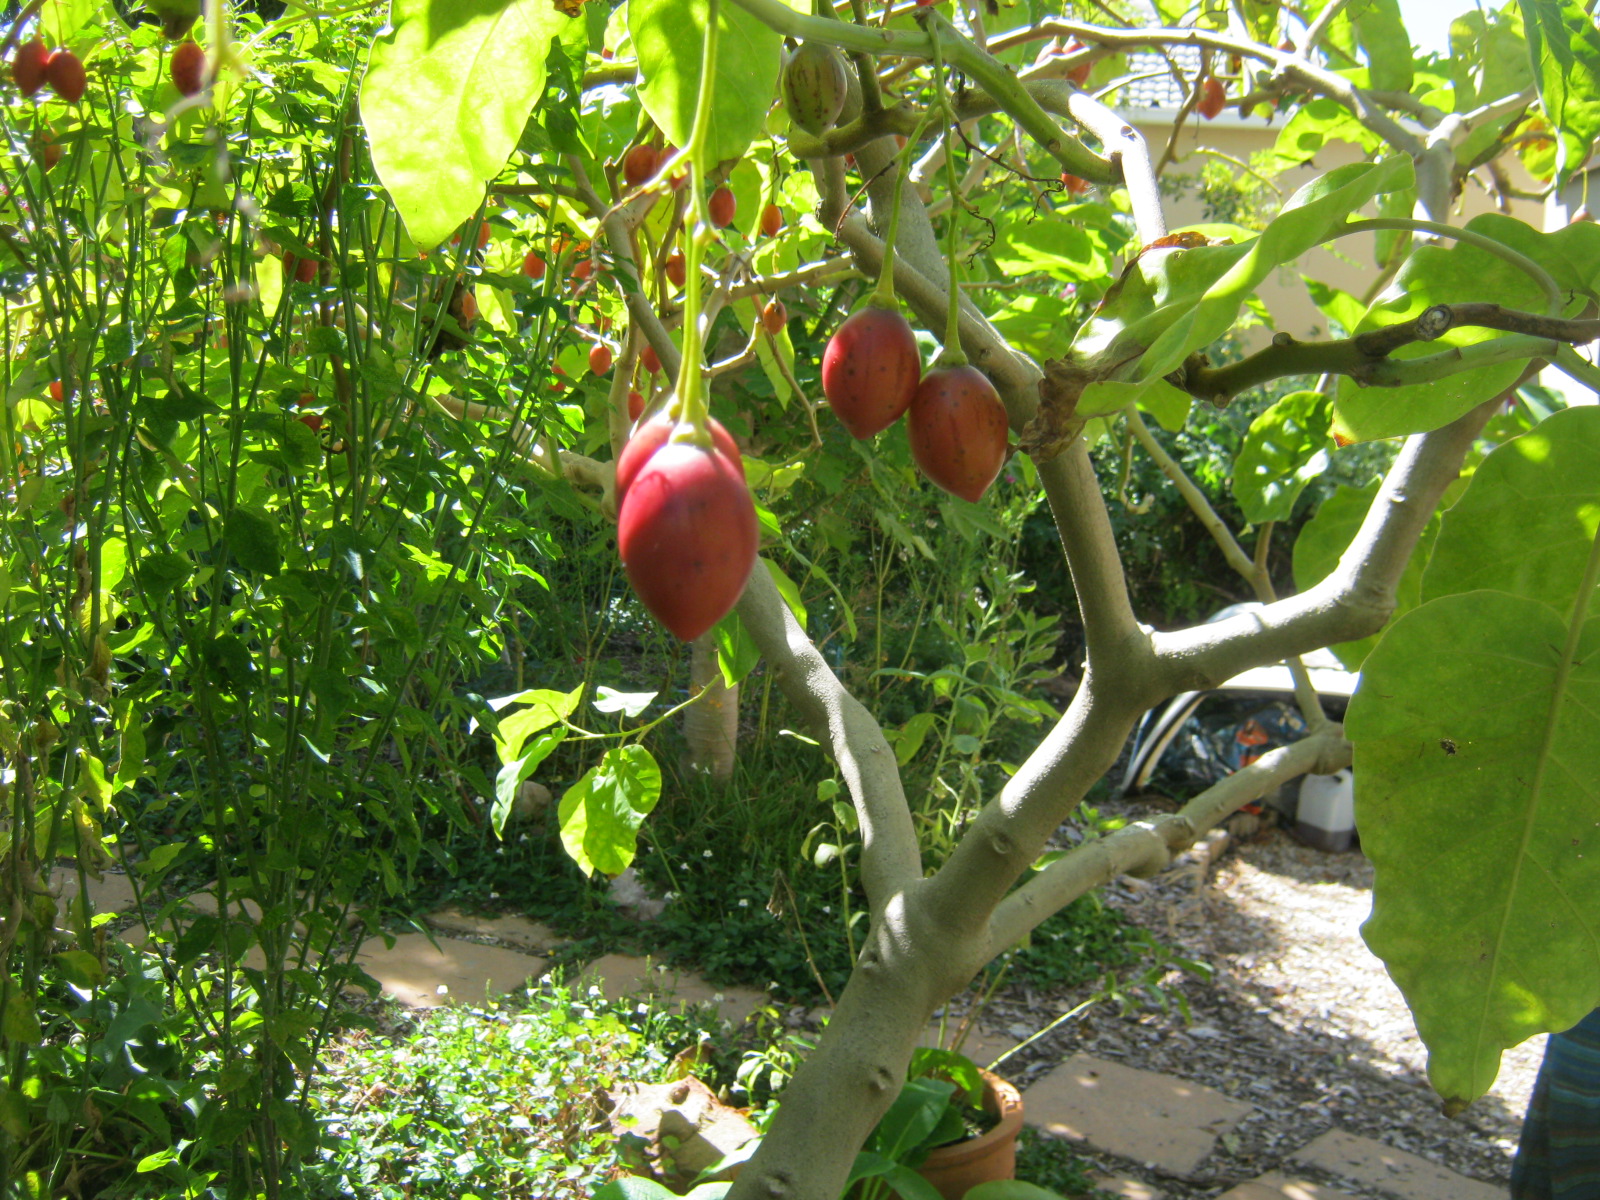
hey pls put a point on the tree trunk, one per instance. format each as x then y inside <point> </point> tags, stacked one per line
<point>711,725</point>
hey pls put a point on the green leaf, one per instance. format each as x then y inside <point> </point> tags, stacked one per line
<point>911,1118</point>
<point>1173,301</point>
<point>629,704</point>
<point>1285,449</point>
<point>601,813</point>
<point>161,858</point>
<point>1381,32</point>
<point>668,36</point>
<point>1323,541</point>
<point>544,709</point>
<point>910,736</point>
<point>1477,783</point>
<point>737,652</point>
<point>1527,520</point>
<point>788,589</point>
<point>1456,273</point>
<point>1564,46</point>
<point>511,777</point>
<point>445,98</point>
<point>18,1022</point>
<point>1010,1189</point>
<point>81,967</point>
<point>154,1162</point>
<point>253,538</point>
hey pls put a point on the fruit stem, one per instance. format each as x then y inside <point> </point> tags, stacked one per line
<point>953,355</point>
<point>883,296</point>
<point>689,406</point>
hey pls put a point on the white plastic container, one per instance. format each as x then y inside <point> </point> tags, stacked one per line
<point>1326,814</point>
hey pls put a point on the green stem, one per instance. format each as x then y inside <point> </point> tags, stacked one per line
<point>883,295</point>
<point>953,355</point>
<point>1552,291</point>
<point>690,407</point>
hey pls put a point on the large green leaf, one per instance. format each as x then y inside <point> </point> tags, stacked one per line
<point>1477,783</point>
<point>601,813</point>
<point>446,96</point>
<point>668,36</point>
<point>1565,48</point>
<point>1527,521</point>
<point>1173,301</point>
<point>1323,541</point>
<point>1381,34</point>
<point>1285,449</point>
<point>1456,273</point>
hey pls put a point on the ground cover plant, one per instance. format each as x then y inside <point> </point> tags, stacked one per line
<point>324,343</point>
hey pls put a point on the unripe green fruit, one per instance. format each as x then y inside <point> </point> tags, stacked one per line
<point>815,82</point>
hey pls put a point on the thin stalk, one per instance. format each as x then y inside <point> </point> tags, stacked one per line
<point>953,355</point>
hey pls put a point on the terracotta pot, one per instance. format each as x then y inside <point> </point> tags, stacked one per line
<point>990,1156</point>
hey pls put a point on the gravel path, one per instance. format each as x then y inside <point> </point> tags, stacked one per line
<point>1301,1020</point>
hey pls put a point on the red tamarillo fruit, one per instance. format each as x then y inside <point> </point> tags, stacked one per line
<point>302,269</point>
<point>639,164</point>
<point>687,536</point>
<point>635,406</point>
<point>1213,98</point>
<point>599,358</point>
<point>774,316</point>
<point>721,207</point>
<point>1075,185</point>
<point>771,220</point>
<point>533,265</point>
<point>63,71</point>
<point>188,68</point>
<point>1080,73</point>
<point>651,437</point>
<point>870,369</point>
<point>27,66</point>
<point>815,83</point>
<point>957,428</point>
<point>676,268</point>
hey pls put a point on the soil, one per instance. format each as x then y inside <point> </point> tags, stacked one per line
<point>1300,1020</point>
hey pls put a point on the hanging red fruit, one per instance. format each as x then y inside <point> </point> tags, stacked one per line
<point>533,265</point>
<point>650,360</point>
<point>676,268</point>
<point>957,429</point>
<point>639,165</point>
<point>870,369</point>
<point>775,316</point>
<point>635,406</point>
<point>721,207</point>
<point>27,66</point>
<point>188,68</point>
<point>771,220</point>
<point>1213,98</point>
<point>64,72</point>
<point>651,437</point>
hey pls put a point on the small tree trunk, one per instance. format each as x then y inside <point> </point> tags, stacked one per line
<point>711,725</point>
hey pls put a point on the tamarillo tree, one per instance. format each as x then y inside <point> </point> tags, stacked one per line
<point>1473,732</point>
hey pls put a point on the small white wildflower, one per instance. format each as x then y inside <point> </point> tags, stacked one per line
<point>443,989</point>
<point>716,997</point>
<point>705,854</point>
<point>744,904</point>
<point>494,895</point>
<point>828,909</point>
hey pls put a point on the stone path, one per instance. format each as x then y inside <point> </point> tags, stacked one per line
<point>1163,1124</point>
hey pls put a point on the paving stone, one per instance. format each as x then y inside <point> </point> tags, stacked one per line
<point>1148,1117</point>
<point>1275,1186</point>
<point>1368,1161</point>
<point>622,975</point>
<point>517,931</point>
<point>1128,1189</point>
<point>413,970</point>
<point>114,893</point>
<point>206,902</point>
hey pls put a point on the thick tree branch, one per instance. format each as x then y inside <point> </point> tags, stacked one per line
<point>1145,846</point>
<point>1365,357</point>
<point>1356,599</point>
<point>890,859</point>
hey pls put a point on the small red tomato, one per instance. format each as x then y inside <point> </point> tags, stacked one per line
<point>599,358</point>
<point>533,265</point>
<point>721,207</point>
<point>650,360</point>
<point>771,220</point>
<point>676,268</point>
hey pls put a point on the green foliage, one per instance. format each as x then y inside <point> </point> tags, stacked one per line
<point>1521,651</point>
<point>1565,48</point>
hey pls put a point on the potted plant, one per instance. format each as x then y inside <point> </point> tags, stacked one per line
<point>952,1127</point>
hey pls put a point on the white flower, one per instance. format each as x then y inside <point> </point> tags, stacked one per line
<point>443,989</point>
<point>744,903</point>
<point>828,909</point>
<point>705,854</point>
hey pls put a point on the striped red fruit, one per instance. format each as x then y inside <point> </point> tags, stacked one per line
<point>870,369</point>
<point>957,429</point>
